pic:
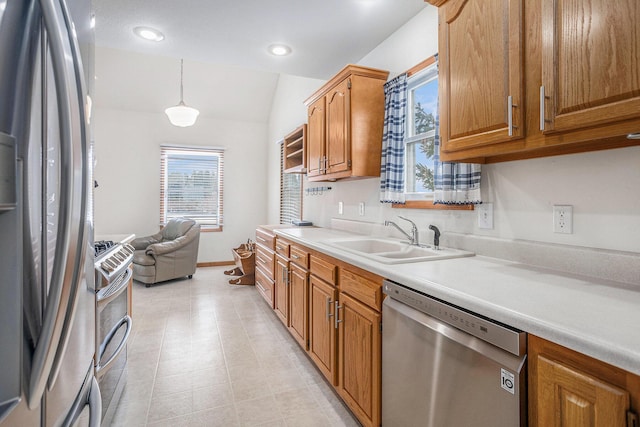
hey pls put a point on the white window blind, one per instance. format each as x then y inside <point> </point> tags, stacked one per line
<point>191,183</point>
<point>290,193</point>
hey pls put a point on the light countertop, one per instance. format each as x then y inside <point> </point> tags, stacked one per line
<point>592,316</point>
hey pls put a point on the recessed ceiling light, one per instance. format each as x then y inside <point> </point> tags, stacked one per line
<point>279,49</point>
<point>149,33</point>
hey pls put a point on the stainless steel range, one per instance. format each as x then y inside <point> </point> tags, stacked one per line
<point>113,321</point>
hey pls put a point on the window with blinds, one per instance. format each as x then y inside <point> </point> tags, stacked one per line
<point>191,182</point>
<point>290,193</point>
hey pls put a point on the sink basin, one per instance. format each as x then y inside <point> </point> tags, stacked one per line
<point>391,251</point>
<point>371,245</point>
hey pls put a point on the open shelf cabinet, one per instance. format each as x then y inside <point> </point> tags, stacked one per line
<point>295,150</point>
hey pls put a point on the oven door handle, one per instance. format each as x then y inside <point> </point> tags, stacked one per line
<point>101,368</point>
<point>106,297</point>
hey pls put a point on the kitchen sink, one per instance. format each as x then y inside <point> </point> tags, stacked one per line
<point>392,251</point>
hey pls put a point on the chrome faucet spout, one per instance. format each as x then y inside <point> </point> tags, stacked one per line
<point>414,238</point>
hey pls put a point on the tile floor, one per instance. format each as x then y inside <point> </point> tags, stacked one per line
<point>206,353</point>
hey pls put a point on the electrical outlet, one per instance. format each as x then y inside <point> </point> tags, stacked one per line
<point>485,215</point>
<point>340,208</point>
<point>361,208</point>
<point>563,219</point>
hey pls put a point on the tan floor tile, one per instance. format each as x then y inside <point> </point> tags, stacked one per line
<point>192,336</point>
<point>258,411</point>
<point>170,406</point>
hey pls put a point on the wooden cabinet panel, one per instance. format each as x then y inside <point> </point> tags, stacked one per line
<point>298,304</point>
<point>281,289</point>
<point>338,125</point>
<point>265,286</point>
<point>266,239</point>
<point>323,269</point>
<point>322,330</point>
<point>567,388</point>
<point>590,62</point>
<point>360,346</point>
<point>282,247</point>
<point>572,398</point>
<point>480,45</point>
<point>364,290</point>
<point>266,260</point>
<point>299,256</point>
<point>316,129</point>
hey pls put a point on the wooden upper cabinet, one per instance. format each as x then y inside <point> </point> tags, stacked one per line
<point>315,137</point>
<point>590,62</point>
<point>338,126</point>
<point>345,118</point>
<point>580,91</point>
<point>481,79</point>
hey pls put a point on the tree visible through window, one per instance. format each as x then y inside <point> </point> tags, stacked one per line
<point>191,185</point>
<point>420,136</point>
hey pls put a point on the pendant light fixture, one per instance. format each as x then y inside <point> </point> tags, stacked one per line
<point>181,115</point>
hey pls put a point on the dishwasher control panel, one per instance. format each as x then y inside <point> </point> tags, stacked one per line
<point>500,335</point>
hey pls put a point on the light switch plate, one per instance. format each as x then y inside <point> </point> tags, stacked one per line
<point>340,208</point>
<point>361,208</point>
<point>485,215</point>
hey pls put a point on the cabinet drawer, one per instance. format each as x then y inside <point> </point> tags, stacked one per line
<point>299,256</point>
<point>323,269</point>
<point>266,239</point>
<point>266,260</point>
<point>364,290</point>
<point>282,247</point>
<point>265,286</point>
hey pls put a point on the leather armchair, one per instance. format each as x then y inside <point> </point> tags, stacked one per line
<point>168,254</point>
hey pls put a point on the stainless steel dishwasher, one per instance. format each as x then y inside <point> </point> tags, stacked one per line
<point>443,366</point>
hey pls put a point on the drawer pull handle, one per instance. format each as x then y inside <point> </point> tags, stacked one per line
<point>329,308</point>
<point>295,257</point>
<point>338,307</point>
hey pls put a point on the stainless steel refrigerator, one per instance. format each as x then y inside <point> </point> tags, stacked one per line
<point>47,301</point>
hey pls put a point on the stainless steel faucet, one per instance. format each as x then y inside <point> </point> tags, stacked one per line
<point>414,237</point>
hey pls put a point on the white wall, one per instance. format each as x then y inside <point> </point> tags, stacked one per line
<point>287,113</point>
<point>602,186</point>
<point>127,150</point>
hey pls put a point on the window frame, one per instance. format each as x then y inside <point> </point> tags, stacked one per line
<point>282,215</point>
<point>425,203</point>
<point>419,77</point>
<point>166,151</point>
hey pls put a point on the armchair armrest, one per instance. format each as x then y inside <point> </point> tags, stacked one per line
<point>161,248</point>
<point>143,242</point>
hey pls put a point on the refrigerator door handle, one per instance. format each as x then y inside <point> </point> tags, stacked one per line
<point>95,404</point>
<point>60,297</point>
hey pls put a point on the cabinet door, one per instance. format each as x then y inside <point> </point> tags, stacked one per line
<point>359,359</point>
<point>590,62</point>
<point>298,304</point>
<point>315,138</point>
<point>568,397</point>
<point>322,330</point>
<point>338,128</point>
<point>481,79</point>
<point>281,300</point>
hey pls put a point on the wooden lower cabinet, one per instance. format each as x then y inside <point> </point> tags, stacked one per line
<point>298,304</point>
<point>322,330</point>
<point>359,350</point>
<point>569,389</point>
<point>281,300</point>
<point>333,310</point>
